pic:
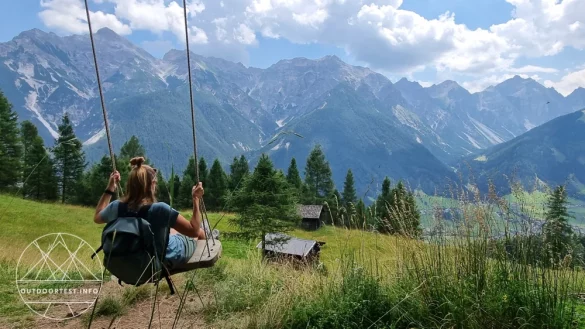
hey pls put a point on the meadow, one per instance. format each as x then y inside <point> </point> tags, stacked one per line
<point>364,280</point>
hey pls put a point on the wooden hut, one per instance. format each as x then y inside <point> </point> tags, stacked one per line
<point>312,216</point>
<point>280,245</point>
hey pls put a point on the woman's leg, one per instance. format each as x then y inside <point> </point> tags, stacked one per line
<point>201,234</point>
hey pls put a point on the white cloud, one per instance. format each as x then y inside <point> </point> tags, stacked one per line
<point>69,16</point>
<point>568,83</point>
<point>377,33</point>
<point>544,27</point>
<point>244,35</point>
<point>533,69</point>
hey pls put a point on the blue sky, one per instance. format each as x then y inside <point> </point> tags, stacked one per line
<point>477,43</point>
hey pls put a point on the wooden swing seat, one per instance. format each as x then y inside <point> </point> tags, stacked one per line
<point>201,257</point>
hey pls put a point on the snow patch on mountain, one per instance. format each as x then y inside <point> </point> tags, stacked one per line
<point>528,125</point>
<point>31,105</point>
<point>28,70</point>
<point>95,138</point>
<point>278,146</point>
<point>244,147</point>
<point>472,141</point>
<point>489,134</point>
<point>406,117</point>
<point>77,91</point>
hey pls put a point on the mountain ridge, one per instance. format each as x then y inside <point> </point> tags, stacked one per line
<point>45,75</point>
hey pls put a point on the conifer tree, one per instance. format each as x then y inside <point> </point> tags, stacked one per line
<point>203,172</point>
<point>361,214</point>
<point>265,204</point>
<point>183,198</point>
<point>132,148</point>
<point>175,186</point>
<point>162,189</point>
<point>92,185</point>
<point>318,177</point>
<point>557,231</point>
<point>70,160</point>
<point>335,209</point>
<point>404,215</point>
<point>293,176</point>
<point>349,193</point>
<point>217,187</point>
<point>383,204</point>
<point>238,170</point>
<point>39,180</point>
<point>10,148</point>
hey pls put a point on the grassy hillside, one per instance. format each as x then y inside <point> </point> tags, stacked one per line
<point>365,280</point>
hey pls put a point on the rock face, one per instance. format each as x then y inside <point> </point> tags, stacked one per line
<point>359,116</point>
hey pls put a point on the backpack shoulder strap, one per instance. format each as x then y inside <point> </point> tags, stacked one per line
<point>143,211</point>
<point>122,209</point>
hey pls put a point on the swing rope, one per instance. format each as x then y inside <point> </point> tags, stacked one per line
<point>99,83</point>
<point>192,106</point>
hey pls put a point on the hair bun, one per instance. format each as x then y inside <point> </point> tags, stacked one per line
<point>138,161</point>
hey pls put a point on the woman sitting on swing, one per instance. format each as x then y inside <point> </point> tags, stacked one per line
<point>141,191</point>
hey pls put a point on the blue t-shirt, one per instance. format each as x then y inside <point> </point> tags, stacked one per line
<point>160,216</point>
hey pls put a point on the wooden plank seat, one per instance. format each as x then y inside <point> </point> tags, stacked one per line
<point>201,257</point>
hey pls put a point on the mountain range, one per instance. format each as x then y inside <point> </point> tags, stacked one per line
<point>362,120</point>
<point>552,152</point>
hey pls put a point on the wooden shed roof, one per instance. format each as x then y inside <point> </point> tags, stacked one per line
<point>282,243</point>
<point>310,211</point>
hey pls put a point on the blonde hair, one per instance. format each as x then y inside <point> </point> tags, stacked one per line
<point>139,189</point>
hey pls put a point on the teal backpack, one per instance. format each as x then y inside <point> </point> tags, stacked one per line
<point>130,252</point>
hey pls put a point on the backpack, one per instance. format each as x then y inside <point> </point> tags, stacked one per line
<point>129,247</point>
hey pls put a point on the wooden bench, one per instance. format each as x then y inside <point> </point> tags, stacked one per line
<point>202,258</point>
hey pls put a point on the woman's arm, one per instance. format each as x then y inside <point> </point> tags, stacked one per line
<point>191,228</point>
<point>105,199</point>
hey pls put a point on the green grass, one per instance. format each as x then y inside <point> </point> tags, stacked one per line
<point>366,279</point>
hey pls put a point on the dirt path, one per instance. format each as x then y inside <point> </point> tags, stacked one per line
<point>135,316</point>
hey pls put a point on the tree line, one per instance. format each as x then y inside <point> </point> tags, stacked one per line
<point>61,173</point>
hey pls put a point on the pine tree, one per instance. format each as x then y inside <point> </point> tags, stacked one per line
<point>293,176</point>
<point>318,177</point>
<point>93,182</point>
<point>203,172</point>
<point>70,160</point>
<point>383,205</point>
<point>10,148</point>
<point>238,170</point>
<point>349,193</point>
<point>217,187</point>
<point>39,180</point>
<point>132,148</point>
<point>265,204</point>
<point>183,198</point>
<point>361,214</point>
<point>404,214</point>
<point>335,209</point>
<point>557,231</point>
<point>162,188</point>
<point>175,187</point>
